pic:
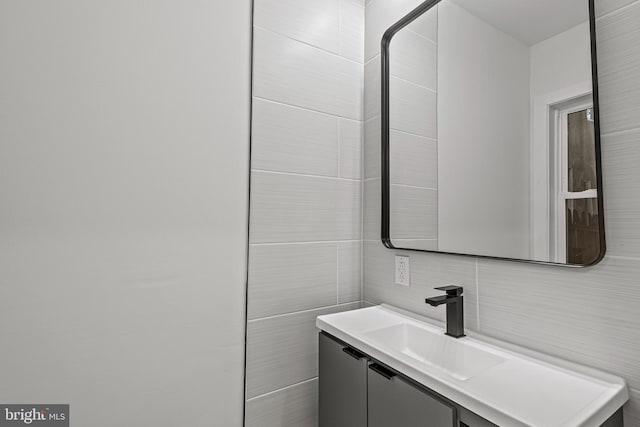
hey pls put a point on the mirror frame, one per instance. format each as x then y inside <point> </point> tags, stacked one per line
<point>385,135</point>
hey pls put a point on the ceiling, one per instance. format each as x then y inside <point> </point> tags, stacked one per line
<point>530,21</point>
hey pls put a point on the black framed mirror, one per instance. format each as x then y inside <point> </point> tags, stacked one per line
<point>490,131</point>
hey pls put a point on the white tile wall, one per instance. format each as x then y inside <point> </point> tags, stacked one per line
<point>351,136</point>
<point>371,146</point>
<point>414,213</point>
<point>293,406</point>
<point>414,57</point>
<point>380,15</point>
<point>297,208</point>
<point>292,139</point>
<point>310,21</point>
<point>351,30</point>
<point>349,271</point>
<point>292,277</point>
<point>588,315</point>
<point>372,88</point>
<point>299,74</point>
<point>283,350</point>
<point>306,196</point>
<point>412,108</point>
<point>413,160</point>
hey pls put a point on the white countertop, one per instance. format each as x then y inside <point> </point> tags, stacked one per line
<point>524,388</point>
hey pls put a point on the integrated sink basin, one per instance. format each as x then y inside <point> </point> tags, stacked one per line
<point>503,383</point>
<point>457,358</point>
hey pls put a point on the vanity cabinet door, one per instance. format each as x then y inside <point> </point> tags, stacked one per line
<point>343,385</point>
<point>394,402</point>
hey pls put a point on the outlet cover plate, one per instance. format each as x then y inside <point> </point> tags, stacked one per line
<point>403,270</point>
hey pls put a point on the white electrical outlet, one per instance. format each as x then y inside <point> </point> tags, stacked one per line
<point>403,271</point>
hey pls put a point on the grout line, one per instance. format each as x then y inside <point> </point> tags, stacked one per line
<point>372,179</point>
<point>412,83</point>
<point>308,44</point>
<point>281,389</point>
<point>477,298</point>
<point>311,242</point>
<point>413,134</point>
<point>606,15</point>
<point>414,186</point>
<point>620,132</point>
<point>372,58</point>
<point>626,258</point>
<point>334,178</point>
<point>420,35</point>
<point>260,98</point>
<point>276,316</point>
<point>429,139</point>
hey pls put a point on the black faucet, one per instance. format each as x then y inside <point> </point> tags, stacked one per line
<point>455,312</point>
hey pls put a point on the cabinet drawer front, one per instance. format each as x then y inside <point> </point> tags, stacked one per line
<point>394,402</point>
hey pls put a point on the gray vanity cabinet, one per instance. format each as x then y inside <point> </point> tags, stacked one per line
<point>354,391</point>
<point>393,401</point>
<point>342,384</point>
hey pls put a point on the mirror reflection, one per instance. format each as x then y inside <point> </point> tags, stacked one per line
<point>492,132</point>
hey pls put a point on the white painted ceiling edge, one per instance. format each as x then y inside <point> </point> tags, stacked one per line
<point>529,21</point>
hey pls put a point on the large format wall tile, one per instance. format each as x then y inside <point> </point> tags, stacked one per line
<point>372,148</point>
<point>314,22</point>
<point>295,208</point>
<point>587,315</point>
<point>283,350</point>
<point>414,58</point>
<point>621,178</point>
<point>606,6</point>
<point>372,88</point>
<point>618,69</point>
<point>294,73</point>
<point>350,149</point>
<point>351,30</point>
<point>414,213</point>
<point>349,271</point>
<point>412,108</point>
<point>426,25</point>
<point>291,139</point>
<point>427,272</point>
<point>293,406</point>
<point>413,160</point>
<point>380,15</point>
<point>288,278</point>
<point>371,215</point>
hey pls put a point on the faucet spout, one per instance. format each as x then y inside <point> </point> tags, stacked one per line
<point>436,301</point>
<point>455,314</point>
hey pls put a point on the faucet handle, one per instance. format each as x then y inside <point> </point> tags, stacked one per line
<point>451,290</point>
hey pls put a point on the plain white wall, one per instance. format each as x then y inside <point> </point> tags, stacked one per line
<point>561,61</point>
<point>124,141</point>
<point>483,119</point>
